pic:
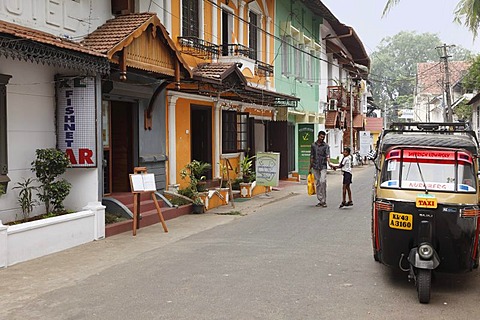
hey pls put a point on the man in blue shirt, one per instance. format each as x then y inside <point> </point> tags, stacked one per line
<point>319,158</point>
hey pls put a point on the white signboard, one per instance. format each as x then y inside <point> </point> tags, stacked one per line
<point>267,168</point>
<point>76,120</point>
<point>365,143</point>
<point>405,114</point>
<point>143,182</point>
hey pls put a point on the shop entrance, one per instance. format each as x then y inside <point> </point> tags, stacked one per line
<point>117,131</point>
<point>201,135</point>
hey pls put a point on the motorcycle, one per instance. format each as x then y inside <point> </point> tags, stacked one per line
<point>358,158</point>
<point>425,206</point>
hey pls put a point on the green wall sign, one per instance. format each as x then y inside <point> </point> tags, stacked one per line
<point>306,137</point>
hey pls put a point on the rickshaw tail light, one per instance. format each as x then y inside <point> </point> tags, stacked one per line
<point>470,212</point>
<point>384,206</point>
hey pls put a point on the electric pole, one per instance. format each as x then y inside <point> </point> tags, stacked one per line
<point>444,56</point>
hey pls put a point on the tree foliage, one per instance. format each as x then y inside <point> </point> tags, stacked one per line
<point>471,81</point>
<point>48,165</point>
<point>394,65</point>
<point>463,111</point>
<point>468,13</point>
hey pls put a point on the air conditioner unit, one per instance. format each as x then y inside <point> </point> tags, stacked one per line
<point>332,105</point>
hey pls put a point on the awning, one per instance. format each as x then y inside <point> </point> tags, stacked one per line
<point>226,81</point>
<point>358,121</point>
<point>138,41</point>
<point>41,47</point>
<point>331,120</point>
<point>374,124</point>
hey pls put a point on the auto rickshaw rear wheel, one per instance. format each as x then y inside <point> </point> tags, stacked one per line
<point>424,283</point>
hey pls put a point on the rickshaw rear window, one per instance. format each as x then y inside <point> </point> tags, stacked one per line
<point>442,170</point>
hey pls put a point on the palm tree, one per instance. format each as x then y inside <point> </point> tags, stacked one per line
<point>466,12</point>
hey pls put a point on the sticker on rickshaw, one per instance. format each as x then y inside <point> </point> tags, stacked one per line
<point>402,221</point>
<point>426,201</point>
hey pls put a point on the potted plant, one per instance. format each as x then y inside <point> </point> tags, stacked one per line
<point>246,168</point>
<point>196,170</point>
<point>190,192</point>
<point>198,206</point>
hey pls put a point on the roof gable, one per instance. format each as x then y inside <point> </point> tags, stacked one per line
<point>142,40</point>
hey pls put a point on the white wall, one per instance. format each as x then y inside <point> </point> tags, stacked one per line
<point>30,126</point>
<point>59,17</point>
<point>335,141</point>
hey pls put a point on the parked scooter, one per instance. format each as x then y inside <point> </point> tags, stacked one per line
<point>358,159</point>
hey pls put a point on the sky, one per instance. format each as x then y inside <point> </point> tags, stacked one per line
<point>421,16</point>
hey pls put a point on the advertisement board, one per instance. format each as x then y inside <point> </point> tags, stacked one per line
<point>306,136</point>
<point>365,143</point>
<point>76,120</point>
<point>267,168</point>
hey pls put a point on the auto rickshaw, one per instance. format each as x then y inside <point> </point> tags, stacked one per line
<point>425,208</point>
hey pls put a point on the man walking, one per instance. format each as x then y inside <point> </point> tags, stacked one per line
<point>319,158</point>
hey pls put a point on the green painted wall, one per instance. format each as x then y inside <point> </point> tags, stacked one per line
<point>302,19</point>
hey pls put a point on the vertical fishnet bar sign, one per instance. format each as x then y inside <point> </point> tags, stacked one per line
<point>76,120</point>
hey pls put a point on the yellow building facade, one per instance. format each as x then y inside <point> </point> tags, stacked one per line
<point>225,110</point>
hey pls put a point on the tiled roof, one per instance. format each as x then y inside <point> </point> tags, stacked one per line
<point>236,87</point>
<point>331,119</point>
<point>119,32</point>
<point>216,71</point>
<point>358,121</point>
<point>431,75</point>
<point>45,38</point>
<point>116,30</point>
<point>374,124</point>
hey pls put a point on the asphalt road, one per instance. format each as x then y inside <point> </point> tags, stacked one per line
<point>285,260</point>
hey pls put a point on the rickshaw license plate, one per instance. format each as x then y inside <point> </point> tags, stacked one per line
<point>403,221</point>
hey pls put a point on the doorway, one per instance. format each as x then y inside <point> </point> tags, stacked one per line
<point>201,135</point>
<point>281,138</point>
<point>118,122</point>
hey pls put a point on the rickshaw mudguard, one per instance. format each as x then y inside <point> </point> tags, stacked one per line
<point>417,262</point>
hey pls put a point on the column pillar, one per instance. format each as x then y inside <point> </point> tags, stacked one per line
<point>241,14</point>
<point>172,142</point>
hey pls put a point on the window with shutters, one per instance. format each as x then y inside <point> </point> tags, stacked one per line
<point>190,20</point>
<point>234,131</point>
<point>253,30</point>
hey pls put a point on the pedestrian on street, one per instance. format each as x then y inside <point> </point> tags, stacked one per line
<point>346,167</point>
<point>319,159</point>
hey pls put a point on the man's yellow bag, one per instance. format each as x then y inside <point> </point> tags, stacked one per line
<point>311,184</point>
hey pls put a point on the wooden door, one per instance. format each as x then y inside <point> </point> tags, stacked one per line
<point>201,135</point>
<point>121,145</point>
<point>279,136</point>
